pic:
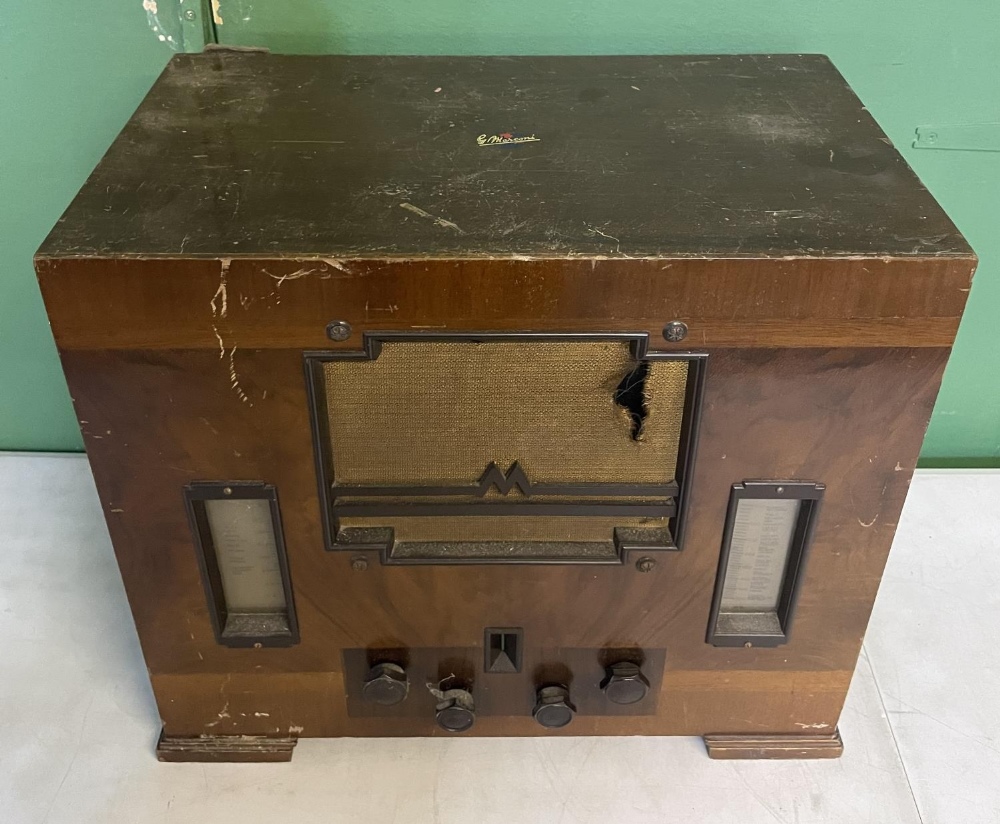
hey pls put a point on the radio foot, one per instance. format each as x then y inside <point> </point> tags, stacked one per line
<point>225,748</point>
<point>775,746</point>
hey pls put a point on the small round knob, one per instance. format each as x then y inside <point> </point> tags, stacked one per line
<point>456,711</point>
<point>385,684</point>
<point>625,683</point>
<point>553,709</point>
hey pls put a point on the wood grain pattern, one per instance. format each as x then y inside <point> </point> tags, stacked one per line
<point>852,419</point>
<point>267,304</point>
<point>306,704</point>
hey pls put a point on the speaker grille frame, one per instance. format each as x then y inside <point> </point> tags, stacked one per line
<point>671,498</point>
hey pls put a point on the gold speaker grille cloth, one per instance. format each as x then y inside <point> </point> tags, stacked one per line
<point>439,412</point>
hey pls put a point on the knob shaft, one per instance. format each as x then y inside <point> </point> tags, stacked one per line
<point>456,711</point>
<point>553,708</point>
<point>386,684</point>
<point>624,683</point>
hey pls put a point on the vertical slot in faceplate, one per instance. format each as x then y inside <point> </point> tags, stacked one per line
<point>768,529</point>
<point>237,530</point>
<point>503,650</point>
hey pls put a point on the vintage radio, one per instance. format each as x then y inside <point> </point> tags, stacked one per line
<point>502,396</point>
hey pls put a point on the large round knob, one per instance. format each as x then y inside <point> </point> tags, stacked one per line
<point>456,711</point>
<point>385,684</point>
<point>552,708</point>
<point>624,683</point>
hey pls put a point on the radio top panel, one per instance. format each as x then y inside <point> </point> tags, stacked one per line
<point>244,154</point>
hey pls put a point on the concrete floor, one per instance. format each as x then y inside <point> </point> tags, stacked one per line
<point>78,722</point>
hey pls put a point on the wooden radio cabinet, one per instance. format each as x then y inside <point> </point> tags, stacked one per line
<point>516,396</point>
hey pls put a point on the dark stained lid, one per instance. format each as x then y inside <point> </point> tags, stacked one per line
<point>250,154</point>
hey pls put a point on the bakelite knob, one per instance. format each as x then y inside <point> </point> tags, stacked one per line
<point>456,711</point>
<point>386,684</point>
<point>552,707</point>
<point>624,683</point>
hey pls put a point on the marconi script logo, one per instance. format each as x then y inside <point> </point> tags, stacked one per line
<point>505,139</point>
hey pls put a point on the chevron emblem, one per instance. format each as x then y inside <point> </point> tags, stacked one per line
<point>503,481</point>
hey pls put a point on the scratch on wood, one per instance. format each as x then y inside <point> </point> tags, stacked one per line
<point>440,221</point>
<point>222,346</point>
<point>224,712</point>
<point>222,307</point>
<point>336,264</point>
<point>234,380</point>
<point>301,273</point>
<point>593,230</point>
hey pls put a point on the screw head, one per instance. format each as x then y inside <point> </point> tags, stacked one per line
<point>190,14</point>
<point>675,331</point>
<point>359,564</point>
<point>645,564</point>
<point>338,330</point>
<point>227,491</point>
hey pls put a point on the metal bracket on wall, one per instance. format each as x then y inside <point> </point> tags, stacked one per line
<point>184,25</point>
<point>972,137</point>
<point>197,24</point>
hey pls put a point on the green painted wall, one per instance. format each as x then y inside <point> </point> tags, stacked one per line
<point>914,63</point>
<point>70,75</point>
